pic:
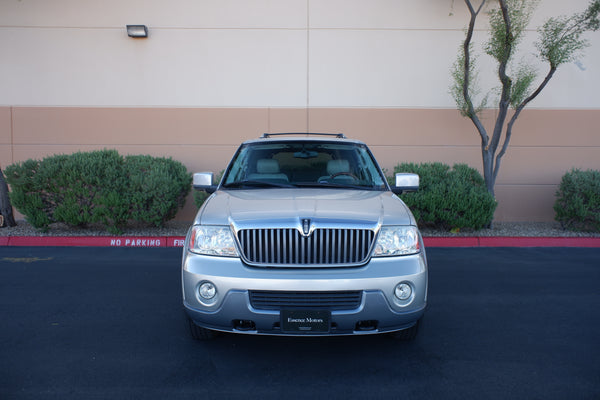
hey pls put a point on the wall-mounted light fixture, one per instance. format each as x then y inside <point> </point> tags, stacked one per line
<point>137,31</point>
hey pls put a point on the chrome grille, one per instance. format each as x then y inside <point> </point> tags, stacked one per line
<point>289,247</point>
<point>266,300</point>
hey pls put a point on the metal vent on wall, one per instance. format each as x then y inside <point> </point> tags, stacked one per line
<point>324,247</point>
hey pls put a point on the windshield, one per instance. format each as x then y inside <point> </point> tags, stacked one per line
<point>303,164</point>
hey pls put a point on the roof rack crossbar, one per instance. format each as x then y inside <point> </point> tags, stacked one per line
<point>337,135</point>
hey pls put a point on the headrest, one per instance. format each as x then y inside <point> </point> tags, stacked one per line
<point>337,166</point>
<point>267,166</point>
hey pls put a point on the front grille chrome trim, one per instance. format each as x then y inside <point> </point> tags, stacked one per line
<point>288,247</point>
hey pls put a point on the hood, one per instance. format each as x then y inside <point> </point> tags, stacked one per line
<point>287,207</point>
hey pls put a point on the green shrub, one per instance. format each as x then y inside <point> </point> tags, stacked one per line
<point>200,197</point>
<point>158,188</point>
<point>98,187</point>
<point>449,198</point>
<point>64,188</point>
<point>577,203</point>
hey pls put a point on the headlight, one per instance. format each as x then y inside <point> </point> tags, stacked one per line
<point>397,241</point>
<point>212,241</point>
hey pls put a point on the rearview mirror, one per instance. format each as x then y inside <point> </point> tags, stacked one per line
<point>204,181</point>
<point>406,182</point>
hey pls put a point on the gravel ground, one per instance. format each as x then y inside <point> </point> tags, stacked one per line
<point>179,228</point>
<point>531,229</point>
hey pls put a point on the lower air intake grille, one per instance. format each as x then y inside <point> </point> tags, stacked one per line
<point>347,300</point>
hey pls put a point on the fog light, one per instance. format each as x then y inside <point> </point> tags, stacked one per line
<point>207,290</point>
<point>403,291</point>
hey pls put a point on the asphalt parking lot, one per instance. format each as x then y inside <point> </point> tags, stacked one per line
<point>80,323</point>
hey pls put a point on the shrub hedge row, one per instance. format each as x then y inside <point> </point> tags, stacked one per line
<point>98,187</point>
<point>105,187</point>
<point>449,198</point>
<point>577,203</point>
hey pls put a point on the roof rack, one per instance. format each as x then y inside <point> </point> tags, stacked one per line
<point>337,135</point>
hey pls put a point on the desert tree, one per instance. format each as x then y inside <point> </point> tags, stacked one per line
<point>561,40</point>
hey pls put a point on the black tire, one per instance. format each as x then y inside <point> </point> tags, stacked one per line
<point>200,333</point>
<point>407,334</point>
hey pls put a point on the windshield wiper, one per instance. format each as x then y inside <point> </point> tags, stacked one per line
<point>258,184</point>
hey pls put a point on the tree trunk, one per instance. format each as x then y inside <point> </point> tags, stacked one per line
<point>5,206</point>
<point>488,170</point>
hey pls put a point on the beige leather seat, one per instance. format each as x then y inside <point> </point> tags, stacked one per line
<point>338,167</point>
<point>341,167</point>
<point>268,169</point>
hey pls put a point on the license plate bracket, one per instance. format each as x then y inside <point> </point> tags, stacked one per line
<point>305,321</point>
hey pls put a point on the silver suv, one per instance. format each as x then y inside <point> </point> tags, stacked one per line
<point>303,236</point>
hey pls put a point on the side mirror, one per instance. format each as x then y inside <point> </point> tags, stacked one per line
<point>406,182</point>
<point>204,181</point>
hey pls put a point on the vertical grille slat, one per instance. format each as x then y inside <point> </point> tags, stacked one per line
<point>338,243</point>
<point>255,251</point>
<point>289,247</point>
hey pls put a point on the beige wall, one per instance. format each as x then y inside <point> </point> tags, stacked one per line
<point>259,53</point>
<point>212,73</point>
<point>5,136</point>
<point>545,145</point>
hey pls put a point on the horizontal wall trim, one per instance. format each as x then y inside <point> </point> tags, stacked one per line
<point>204,138</point>
<point>277,107</point>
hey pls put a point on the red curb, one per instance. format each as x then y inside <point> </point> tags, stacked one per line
<point>507,241</point>
<point>451,242</point>
<point>95,241</point>
<point>538,242</point>
<point>175,241</point>
<point>178,241</point>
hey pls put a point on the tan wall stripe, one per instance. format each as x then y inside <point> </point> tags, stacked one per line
<point>546,143</point>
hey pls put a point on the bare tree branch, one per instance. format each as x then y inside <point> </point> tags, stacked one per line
<point>467,68</point>
<point>512,121</point>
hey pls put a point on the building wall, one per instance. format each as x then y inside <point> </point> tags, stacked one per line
<point>213,73</point>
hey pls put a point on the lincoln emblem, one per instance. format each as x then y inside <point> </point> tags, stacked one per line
<point>306,226</point>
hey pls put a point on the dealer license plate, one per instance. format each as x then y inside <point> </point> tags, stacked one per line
<point>307,321</point>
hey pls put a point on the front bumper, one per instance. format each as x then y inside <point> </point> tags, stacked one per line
<point>231,309</point>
